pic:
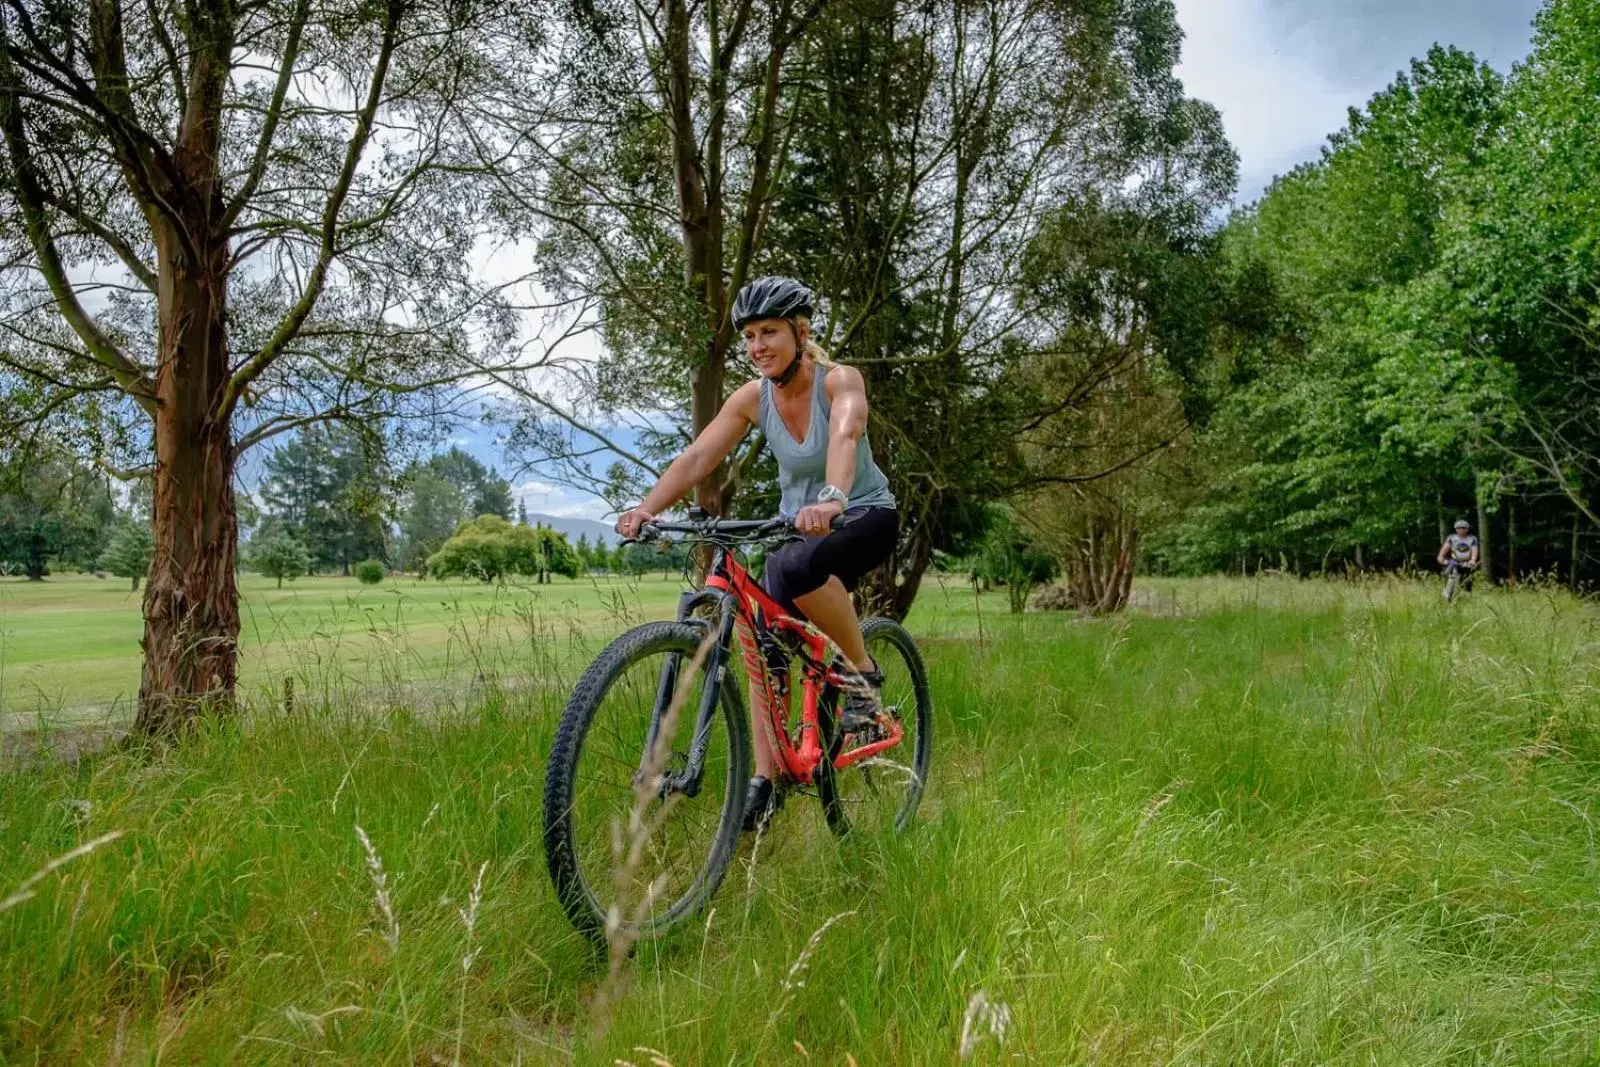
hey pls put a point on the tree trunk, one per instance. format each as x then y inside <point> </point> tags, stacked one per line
<point>1484,567</point>
<point>1572,579</point>
<point>36,556</point>
<point>890,589</point>
<point>1511,544</point>
<point>135,583</point>
<point>191,602</point>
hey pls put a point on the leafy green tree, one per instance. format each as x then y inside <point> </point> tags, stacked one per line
<point>1521,261</point>
<point>440,494</point>
<point>430,510</point>
<point>556,555</point>
<point>1352,405</point>
<point>491,549</point>
<point>1012,557</point>
<point>486,548</point>
<point>279,555</point>
<point>329,486</point>
<point>128,554</point>
<point>52,511</point>
<point>369,571</point>
<point>494,497</point>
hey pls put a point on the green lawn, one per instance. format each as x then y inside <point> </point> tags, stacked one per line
<point>1257,822</point>
<point>69,646</point>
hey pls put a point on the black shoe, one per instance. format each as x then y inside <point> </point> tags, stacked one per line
<point>863,702</point>
<point>761,801</point>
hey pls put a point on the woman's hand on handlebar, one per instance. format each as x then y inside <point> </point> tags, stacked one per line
<point>814,520</point>
<point>630,521</point>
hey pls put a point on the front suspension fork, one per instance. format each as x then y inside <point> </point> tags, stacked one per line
<point>687,780</point>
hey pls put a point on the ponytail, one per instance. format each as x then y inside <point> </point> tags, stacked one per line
<point>810,348</point>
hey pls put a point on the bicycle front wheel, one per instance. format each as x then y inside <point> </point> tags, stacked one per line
<point>882,793</point>
<point>627,830</point>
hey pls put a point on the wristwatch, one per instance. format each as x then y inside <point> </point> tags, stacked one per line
<point>833,492</point>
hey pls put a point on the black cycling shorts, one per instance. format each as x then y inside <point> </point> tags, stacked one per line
<point>863,540</point>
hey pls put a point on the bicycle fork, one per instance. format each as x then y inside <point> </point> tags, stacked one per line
<point>687,780</point>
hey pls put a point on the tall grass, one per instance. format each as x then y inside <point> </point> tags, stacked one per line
<point>1268,822</point>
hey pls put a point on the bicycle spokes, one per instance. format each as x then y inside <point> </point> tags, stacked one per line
<point>643,823</point>
<point>878,774</point>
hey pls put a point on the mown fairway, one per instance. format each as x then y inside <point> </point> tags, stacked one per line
<point>69,647</point>
<point>1288,823</point>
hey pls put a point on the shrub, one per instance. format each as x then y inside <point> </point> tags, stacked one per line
<point>279,556</point>
<point>489,548</point>
<point>128,553</point>
<point>369,572</point>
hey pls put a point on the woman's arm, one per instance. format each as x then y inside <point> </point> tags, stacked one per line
<point>696,462</point>
<point>847,421</point>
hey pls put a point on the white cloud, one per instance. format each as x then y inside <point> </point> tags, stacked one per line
<point>1285,72</point>
<point>1276,106</point>
<point>559,501</point>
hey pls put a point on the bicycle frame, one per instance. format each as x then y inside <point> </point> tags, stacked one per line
<point>739,599</point>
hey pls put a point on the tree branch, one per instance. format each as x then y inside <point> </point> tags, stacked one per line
<point>290,326</point>
<point>31,198</point>
<point>124,251</point>
<point>269,124</point>
<point>164,39</point>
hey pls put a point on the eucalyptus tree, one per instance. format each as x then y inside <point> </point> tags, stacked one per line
<point>224,219</point>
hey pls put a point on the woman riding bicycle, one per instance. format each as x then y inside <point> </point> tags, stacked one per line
<point>813,414</point>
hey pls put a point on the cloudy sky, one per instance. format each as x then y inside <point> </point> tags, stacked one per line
<point>1283,72</point>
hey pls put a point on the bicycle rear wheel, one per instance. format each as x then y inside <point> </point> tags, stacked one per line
<point>594,815</point>
<point>882,793</point>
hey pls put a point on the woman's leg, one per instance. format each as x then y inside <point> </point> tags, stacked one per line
<point>804,575</point>
<point>834,614</point>
<point>766,746</point>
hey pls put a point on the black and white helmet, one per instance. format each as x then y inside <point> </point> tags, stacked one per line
<point>772,297</point>
<point>1463,524</point>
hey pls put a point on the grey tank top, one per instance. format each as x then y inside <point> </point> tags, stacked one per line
<point>803,465</point>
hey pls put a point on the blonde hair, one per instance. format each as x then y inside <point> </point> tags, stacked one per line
<point>810,347</point>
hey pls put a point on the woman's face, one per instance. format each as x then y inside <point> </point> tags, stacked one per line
<point>771,344</point>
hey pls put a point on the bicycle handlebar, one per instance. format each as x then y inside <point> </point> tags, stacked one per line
<point>712,528</point>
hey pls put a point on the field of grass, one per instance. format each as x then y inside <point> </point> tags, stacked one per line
<point>69,646</point>
<point>1264,821</point>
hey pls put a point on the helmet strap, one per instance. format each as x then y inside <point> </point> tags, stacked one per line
<point>790,371</point>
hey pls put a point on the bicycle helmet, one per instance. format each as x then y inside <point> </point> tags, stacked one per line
<point>1463,524</point>
<point>772,297</point>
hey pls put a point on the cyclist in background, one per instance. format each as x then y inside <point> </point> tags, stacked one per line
<point>813,414</point>
<point>1461,549</point>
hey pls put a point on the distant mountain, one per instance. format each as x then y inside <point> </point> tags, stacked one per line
<point>573,528</point>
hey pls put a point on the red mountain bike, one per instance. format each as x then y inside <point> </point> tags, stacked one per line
<point>653,751</point>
